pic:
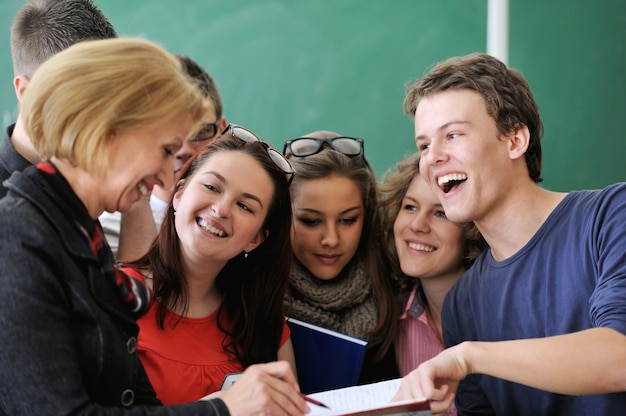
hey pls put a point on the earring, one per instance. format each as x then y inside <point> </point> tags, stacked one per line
<point>245,254</point>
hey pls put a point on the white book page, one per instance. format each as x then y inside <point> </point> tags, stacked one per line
<point>355,398</point>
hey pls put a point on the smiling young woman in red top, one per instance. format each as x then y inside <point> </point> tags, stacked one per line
<point>218,268</point>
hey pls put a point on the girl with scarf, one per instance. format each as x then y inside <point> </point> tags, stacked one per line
<point>340,278</point>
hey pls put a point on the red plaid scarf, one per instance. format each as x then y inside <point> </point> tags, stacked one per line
<point>133,291</point>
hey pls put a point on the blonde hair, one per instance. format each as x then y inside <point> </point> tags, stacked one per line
<point>81,97</point>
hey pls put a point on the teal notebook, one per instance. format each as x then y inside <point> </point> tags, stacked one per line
<point>325,359</point>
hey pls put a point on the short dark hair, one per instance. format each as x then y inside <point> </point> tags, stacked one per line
<point>506,93</point>
<point>204,80</point>
<point>42,28</point>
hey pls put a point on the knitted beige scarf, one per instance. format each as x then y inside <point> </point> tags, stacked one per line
<point>343,304</point>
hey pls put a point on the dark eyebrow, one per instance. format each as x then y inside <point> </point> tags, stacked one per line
<point>346,211</point>
<point>217,175</point>
<point>253,197</point>
<point>244,195</point>
<point>444,127</point>
<point>314,211</point>
<point>309,210</point>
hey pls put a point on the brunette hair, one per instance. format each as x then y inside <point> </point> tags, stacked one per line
<point>205,82</point>
<point>329,162</point>
<point>253,288</point>
<point>506,93</point>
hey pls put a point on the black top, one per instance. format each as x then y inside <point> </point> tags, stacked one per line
<point>384,369</point>
<point>10,160</point>
<point>68,339</point>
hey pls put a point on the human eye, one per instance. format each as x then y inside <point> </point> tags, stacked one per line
<point>309,222</point>
<point>440,214</point>
<point>207,132</point>
<point>422,145</point>
<point>409,207</point>
<point>211,187</point>
<point>170,150</point>
<point>409,204</point>
<point>245,207</point>
<point>348,220</point>
<point>453,135</point>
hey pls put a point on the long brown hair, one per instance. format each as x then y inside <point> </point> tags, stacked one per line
<point>253,287</point>
<point>370,253</point>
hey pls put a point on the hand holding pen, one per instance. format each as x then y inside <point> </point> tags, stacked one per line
<point>269,388</point>
<point>314,401</point>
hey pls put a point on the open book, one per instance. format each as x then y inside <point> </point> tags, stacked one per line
<point>368,399</point>
<point>325,359</point>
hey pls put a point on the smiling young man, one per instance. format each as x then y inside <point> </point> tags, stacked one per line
<point>538,324</point>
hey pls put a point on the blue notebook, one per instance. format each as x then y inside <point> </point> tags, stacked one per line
<point>325,359</point>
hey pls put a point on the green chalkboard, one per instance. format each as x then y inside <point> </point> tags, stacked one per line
<point>288,67</point>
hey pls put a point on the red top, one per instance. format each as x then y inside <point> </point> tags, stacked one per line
<point>186,362</point>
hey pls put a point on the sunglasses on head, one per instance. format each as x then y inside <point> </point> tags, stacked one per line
<point>206,132</point>
<point>277,158</point>
<point>307,146</point>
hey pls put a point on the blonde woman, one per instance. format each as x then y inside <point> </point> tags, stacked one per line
<point>106,117</point>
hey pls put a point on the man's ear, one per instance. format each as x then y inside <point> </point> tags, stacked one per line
<point>20,83</point>
<point>258,239</point>
<point>223,124</point>
<point>518,141</point>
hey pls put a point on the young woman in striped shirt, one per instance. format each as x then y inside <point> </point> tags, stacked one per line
<point>430,252</point>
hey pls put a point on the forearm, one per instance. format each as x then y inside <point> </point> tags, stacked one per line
<point>137,231</point>
<point>587,362</point>
<point>285,353</point>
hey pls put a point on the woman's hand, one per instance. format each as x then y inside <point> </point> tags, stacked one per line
<point>265,389</point>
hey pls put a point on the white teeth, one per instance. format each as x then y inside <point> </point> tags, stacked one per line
<point>211,229</point>
<point>443,180</point>
<point>143,189</point>
<point>421,247</point>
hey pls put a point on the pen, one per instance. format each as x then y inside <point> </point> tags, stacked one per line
<point>315,402</point>
<point>309,399</point>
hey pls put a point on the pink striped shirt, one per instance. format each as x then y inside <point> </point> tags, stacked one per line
<point>417,341</point>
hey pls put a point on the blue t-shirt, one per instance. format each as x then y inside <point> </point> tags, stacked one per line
<point>569,277</point>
